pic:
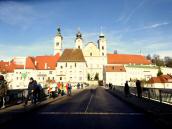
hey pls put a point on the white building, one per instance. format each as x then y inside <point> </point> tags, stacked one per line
<point>71,67</point>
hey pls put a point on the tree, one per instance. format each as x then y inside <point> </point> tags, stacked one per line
<point>157,61</point>
<point>88,76</point>
<point>159,72</point>
<point>148,57</point>
<point>168,61</point>
<point>96,76</point>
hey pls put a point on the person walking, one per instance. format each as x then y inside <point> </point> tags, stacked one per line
<point>69,89</point>
<point>53,86</point>
<point>30,89</point>
<point>62,89</point>
<point>59,88</point>
<point>35,91</point>
<point>126,89</point>
<point>139,89</point>
<point>78,86</point>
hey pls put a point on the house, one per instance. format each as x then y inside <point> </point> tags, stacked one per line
<point>163,81</point>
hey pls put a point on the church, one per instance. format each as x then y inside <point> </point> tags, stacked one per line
<point>92,56</point>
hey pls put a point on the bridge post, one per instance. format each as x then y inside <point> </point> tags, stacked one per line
<point>160,96</point>
<point>3,102</point>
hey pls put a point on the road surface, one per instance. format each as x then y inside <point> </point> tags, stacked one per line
<point>91,109</point>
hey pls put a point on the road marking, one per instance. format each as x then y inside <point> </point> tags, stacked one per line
<point>92,113</point>
<point>89,103</point>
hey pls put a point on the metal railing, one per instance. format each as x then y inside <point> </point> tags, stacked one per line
<point>157,94</point>
<point>18,96</point>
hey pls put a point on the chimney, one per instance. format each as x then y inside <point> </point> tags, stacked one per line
<point>46,66</point>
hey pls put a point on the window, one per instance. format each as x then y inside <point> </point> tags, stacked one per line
<point>79,47</point>
<point>102,54</point>
<point>52,78</point>
<point>61,67</point>
<point>57,44</point>
<point>113,67</point>
<point>80,78</point>
<point>75,64</point>
<point>102,47</point>
<point>42,78</point>
<point>66,64</point>
<point>17,78</point>
<point>60,78</point>
<point>50,72</point>
<point>91,54</point>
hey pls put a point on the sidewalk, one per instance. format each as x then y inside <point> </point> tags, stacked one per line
<point>13,112</point>
<point>159,112</point>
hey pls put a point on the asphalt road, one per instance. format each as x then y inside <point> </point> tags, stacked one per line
<point>90,109</point>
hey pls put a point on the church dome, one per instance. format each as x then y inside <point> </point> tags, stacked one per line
<point>79,35</point>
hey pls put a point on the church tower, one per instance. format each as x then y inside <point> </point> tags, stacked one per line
<point>102,45</point>
<point>58,42</point>
<point>79,40</point>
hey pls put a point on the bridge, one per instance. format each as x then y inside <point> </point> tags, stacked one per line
<point>91,108</point>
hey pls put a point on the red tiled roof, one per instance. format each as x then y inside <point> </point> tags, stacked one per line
<point>161,79</point>
<point>127,59</point>
<point>50,61</point>
<point>37,62</point>
<point>115,69</point>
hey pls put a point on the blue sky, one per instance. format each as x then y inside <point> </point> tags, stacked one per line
<point>28,27</point>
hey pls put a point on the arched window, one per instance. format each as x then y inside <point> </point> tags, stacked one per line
<point>102,47</point>
<point>78,47</point>
<point>91,53</point>
<point>57,44</point>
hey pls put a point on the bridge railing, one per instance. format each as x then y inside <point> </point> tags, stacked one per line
<point>157,94</point>
<point>18,96</point>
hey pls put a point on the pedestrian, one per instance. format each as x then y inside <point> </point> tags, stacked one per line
<point>126,89</point>
<point>30,88</point>
<point>78,86</point>
<point>59,88</point>
<point>53,86</point>
<point>82,86</point>
<point>35,91</point>
<point>3,90</point>
<point>62,89</point>
<point>70,89</point>
<point>139,89</point>
<point>67,88</point>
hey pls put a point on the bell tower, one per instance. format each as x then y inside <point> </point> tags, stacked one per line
<point>102,45</point>
<point>58,42</point>
<point>79,40</point>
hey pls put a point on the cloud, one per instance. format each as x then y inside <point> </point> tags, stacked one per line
<point>134,10</point>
